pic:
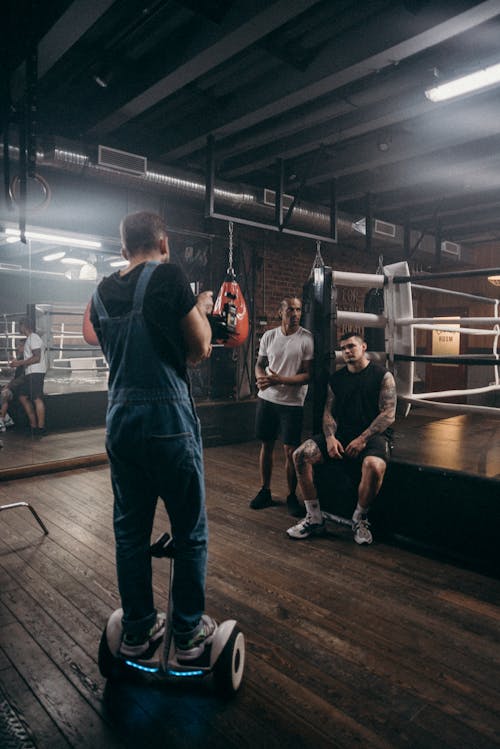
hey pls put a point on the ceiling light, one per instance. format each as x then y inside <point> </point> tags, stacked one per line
<point>57,238</point>
<point>88,272</point>
<point>73,261</point>
<point>495,280</point>
<point>11,240</point>
<point>53,256</point>
<point>119,263</point>
<point>465,84</point>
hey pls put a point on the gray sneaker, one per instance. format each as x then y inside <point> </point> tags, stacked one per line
<point>307,528</point>
<point>144,645</point>
<point>190,648</point>
<point>362,532</point>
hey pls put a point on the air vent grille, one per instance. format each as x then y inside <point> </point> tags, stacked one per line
<point>384,228</point>
<point>450,248</point>
<point>122,161</point>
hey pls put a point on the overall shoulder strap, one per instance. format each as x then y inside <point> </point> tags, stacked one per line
<point>99,306</point>
<point>142,283</point>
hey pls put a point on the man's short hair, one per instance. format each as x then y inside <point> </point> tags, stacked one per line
<point>351,334</point>
<point>285,302</point>
<point>142,231</point>
<point>26,323</point>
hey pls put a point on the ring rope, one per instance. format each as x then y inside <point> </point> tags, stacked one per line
<point>461,407</point>
<point>479,360</point>
<point>450,329</point>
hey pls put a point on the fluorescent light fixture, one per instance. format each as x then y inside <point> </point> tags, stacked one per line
<point>466,84</point>
<point>495,280</point>
<point>73,261</point>
<point>119,263</point>
<point>53,256</point>
<point>11,240</point>
<point>56,238</point>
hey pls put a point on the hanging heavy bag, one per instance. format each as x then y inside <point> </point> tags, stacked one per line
<point>88,331</point>
<point>231,311</point>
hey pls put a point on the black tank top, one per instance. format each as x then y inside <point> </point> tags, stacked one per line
<point>356,399</point>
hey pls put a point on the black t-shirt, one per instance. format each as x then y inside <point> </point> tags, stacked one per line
<point>167,300</point>
<point>356,399</point>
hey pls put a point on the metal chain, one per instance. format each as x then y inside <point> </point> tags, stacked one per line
<point>230,269</point>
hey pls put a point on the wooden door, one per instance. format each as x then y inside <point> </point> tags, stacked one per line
<point>446,376</point>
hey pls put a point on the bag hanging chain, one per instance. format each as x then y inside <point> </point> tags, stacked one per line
<point>318,260</point>
<point>230,270</point>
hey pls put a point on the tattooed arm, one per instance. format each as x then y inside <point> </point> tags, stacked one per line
<point>334,447</point>
<point>387,414</point>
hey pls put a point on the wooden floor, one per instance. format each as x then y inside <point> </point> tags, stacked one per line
<point>465,443</point>
<point>348,646</point>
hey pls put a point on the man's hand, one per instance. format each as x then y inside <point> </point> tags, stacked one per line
<point>205,302</point>
<point>16,363</point>
<point>269,378</point>
<point>354,447</point>
<point>334,448</point>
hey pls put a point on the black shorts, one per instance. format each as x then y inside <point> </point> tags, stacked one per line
<point>378,445</point>
<point>273,420</point>
<point>32,385</point>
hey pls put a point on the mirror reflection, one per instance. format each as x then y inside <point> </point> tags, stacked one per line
<point>54,384</point>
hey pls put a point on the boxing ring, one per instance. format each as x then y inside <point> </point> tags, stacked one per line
<point>418,498</point>
<point>400,326</point>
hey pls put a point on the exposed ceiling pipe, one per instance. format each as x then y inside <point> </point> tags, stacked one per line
<point>229,197</point>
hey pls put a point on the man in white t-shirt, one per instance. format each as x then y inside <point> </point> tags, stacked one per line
<point>283,369</point>
<point>31,390</point>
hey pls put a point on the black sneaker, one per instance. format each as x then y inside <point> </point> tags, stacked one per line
<point>294,507</point>
<point>262,499</point>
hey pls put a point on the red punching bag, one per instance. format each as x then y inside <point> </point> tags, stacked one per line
<point>88,331</point>
<point>230,305</point>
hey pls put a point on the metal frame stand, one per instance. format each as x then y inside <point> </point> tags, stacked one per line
<point>30,508</point>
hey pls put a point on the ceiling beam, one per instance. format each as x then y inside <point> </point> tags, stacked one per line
<point>79,17</point>
<point>387,40</point>
<point>253,28</point>
<point>436,176</point>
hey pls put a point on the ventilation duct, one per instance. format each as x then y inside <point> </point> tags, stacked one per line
<point>130,170</point>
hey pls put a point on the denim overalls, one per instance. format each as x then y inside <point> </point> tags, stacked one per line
<point>154,447</point>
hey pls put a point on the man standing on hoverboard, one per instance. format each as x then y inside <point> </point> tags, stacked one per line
<point>150,325</point>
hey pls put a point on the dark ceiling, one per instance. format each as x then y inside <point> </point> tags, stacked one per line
<point>334,89</point>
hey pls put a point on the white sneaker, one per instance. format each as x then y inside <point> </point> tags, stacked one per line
<point>8,421</point>
<point>362,532</point>
<point>306,528</point>
<point>2,426</point>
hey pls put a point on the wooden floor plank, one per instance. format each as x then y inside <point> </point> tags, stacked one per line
<point>347,646</point>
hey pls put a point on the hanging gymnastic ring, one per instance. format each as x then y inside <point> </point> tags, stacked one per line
<point>14,192</point>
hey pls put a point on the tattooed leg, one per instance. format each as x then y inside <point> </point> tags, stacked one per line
<point>304,458</point>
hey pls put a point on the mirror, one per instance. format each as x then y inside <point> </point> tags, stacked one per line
<point>50,279</point>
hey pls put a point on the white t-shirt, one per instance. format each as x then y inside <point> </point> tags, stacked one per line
<point>285,354</point>
<point>33,342</point>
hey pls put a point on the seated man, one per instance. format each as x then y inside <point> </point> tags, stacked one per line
<point>359,408</point>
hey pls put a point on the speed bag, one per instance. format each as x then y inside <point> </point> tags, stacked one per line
<point>88,331</point>
<point>231,306</point>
